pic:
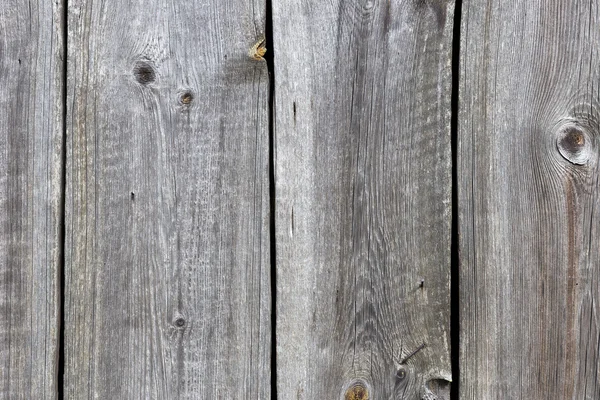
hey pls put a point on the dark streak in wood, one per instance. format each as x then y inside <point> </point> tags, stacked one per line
<point>528,196</point>
<point>364,163</point>
<point>31,196</point>
<point>410,355</point>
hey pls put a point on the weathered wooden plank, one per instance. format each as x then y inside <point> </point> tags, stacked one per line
<point>31,154</point>
<point>167,245</point>
<point>528,196</point>
<point>363,182</point>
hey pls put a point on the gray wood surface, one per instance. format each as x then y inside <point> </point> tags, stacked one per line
<point>363,191</point>
<point>528,197</point>
<point>167,244</point>
<point>31,167</point>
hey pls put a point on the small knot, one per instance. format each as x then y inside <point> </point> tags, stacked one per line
<point>186,97</point>
<point>401,375</point>
<point>401,378</point>
<point>180,322</point>
<point>144,72</point>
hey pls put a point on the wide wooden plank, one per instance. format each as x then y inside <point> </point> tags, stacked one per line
<point>31,169</point>
<point>167,244</point>
<point>528,197</point>
<point>363,191</point>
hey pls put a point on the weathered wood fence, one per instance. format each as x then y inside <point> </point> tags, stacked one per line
<point>401,194</point>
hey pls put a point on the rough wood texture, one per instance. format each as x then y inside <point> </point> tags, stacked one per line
<point>31,154</point>
<point>167,245</point>
<point>363,179</point>
<point>528,197</point>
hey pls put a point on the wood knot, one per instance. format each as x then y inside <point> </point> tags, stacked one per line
<point>186,97</point>
<point>574,143</point>
<point>144,72</point>
<point>258,50</point>
<point>357,391</point>
<point>180,322</point>
<point>401,375</point>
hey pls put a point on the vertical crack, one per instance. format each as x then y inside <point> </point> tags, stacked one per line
<point>61,235</point>
<point>269,58</point>
<point>455,259</point>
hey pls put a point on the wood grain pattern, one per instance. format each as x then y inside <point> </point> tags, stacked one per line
<point>528,200</point>
<point>31,168</point>
<point>167,245</point>
<point>363,182</point>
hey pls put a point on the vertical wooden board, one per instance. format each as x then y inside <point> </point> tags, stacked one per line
<point>167,245</point>
<point>31,168</point>
<point>528,199</point>
<point>363,191</point>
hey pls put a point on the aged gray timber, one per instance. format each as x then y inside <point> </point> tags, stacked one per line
<point>363,183</point>
<point>31,154</point>
<point>167,245</point>
<point>528,196</point>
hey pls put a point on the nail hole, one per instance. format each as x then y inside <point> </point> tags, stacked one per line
<point>144,72</point>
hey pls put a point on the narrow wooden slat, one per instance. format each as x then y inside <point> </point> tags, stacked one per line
<point>528,197</point>
<point>363,183</point>
<point>31,167</point>
<point>167,244</point>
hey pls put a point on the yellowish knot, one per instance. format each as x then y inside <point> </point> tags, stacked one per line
<point>258,51</point>
<point>357,391</point>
